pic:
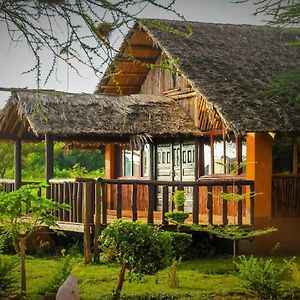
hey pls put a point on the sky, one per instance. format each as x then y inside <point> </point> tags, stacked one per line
<point>17,58</point>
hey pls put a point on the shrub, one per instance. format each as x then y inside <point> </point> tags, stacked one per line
<point>179,199</point>
<point>180,243</point>
<point>261,276</point>
<point>138,247</point>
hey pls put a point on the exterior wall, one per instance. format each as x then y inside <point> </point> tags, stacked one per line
<point>259,169</point>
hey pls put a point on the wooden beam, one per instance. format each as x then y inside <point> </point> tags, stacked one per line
<point>49,145</point>
<point>135,60</point>
<point>18,164</point>
<point>119,86</point>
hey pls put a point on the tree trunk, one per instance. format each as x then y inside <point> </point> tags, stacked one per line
<point>234,255</point>
<point>22,246</point>
<point>118,290</point>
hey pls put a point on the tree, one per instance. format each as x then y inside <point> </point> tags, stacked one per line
<point>6,158</point>
<point>138,247</point>
<point>21,213</point>
<point>282,13</point>
<point>76,32</point>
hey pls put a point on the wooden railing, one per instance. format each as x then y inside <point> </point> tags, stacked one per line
<point>286,196</point>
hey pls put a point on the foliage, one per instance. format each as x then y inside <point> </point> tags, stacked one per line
<point>285,86</point>
<point>180,243</point>
<point>138,247</point>
<point>179,199</point>
<point>76,32</point>
<point>177,217</point>
<point>262,276</point>
<point>60,276</point>
<point>21,213</point>
<point>65,162</point>
<point>282,13</point>
<point>235,234</point>
<point>7,278</point>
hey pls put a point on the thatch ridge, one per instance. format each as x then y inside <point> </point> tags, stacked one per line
<point>98,116</point>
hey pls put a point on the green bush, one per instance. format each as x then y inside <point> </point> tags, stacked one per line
<point>138,247</point>
<point>179,199</point>
<point>180,243</point>
<point>176,217</point>
<point>261,276</point>
<point>7,279</point>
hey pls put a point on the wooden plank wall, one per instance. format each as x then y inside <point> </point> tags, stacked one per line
<point>163,82</point>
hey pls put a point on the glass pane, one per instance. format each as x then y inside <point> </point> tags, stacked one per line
<point>207,159</point>
<point>230,154</point>
<point>219,155</point>
<point>136,163</point>
<point>146,161</point>
<point>127,163</point>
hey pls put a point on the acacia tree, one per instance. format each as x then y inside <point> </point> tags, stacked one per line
<point>74,31</point>
<point>282,13</point>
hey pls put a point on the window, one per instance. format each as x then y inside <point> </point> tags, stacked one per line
<point>130,162</point>
<point>220,154</point>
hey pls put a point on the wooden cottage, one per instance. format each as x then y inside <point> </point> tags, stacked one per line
<point>221,76</point>
<point>178,108</point>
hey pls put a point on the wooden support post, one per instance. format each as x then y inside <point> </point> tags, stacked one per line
<point>119,201</point>
<point>252,204</point>
<point>210,205</point>
<point>150,203</point>
<point>18,164</point>
<point>224,207</point>
<point>240,207</point>
<point>49,161</point>
<point>87,221</point>
<point>165,204</point>
<point>97,231</point>
<point>134,202</point>
<point>196,204</point>
<point>104,203</point>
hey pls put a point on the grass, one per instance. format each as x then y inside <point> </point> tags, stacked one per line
<point>209,278</point>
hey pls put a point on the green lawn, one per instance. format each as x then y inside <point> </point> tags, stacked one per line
<point>209,278</point>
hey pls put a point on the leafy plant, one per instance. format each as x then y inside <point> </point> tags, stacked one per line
<point>21,213</point>
<point>235,234</point>
<point>180,243</point>
<point>178,216</point>
<point>138,247</point>
<point>262,276</point>
<point>179,199</point>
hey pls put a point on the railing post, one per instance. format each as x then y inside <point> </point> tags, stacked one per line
<point>196,204</point>
<point>97,230</point>
<point>104,203</point>
<point>210,205</point>
<point>165,204</point>
<point>224,207</point>
<point>252,204</point>
<point>119,200</point>
<point>240,206</point>
<point>87,221</point>
<point>134,202</point>
<point>150,203</point>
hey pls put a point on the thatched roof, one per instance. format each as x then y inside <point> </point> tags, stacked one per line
<point>231,66</point>
<point>30,115</point>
